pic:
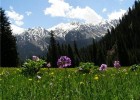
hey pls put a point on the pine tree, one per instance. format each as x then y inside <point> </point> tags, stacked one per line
<point>76,50</point>
<point>59,50</point>
<point>94,51</point>
<point>52,51</point>
<point>71,55</point>
<point>9,55</point>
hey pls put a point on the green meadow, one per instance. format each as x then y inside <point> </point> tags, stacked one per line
<point>70,84</point>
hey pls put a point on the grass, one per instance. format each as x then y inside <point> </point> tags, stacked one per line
<point>68,84</point>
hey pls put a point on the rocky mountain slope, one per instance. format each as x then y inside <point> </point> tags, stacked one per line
<point>35,41</point>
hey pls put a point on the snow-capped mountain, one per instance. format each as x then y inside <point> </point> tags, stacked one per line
<point>35,41</point>
<point>88,30</point>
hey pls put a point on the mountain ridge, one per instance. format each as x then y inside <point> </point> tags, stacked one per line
<point>38,38</point>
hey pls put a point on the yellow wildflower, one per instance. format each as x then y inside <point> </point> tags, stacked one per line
<point>96,77</point>
<point>30,79</point>
<point>126,73</point>
<point>52,73</point>
<point>43,68</point>
<point>18,69</point>
<point>2,73</point>
<point>84,74</point>
<point>81,83</point>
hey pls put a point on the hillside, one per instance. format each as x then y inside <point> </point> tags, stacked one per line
<point>120,43</point>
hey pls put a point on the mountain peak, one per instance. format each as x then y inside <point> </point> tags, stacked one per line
<point>65,26</point>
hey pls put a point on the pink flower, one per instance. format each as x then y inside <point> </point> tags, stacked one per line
<point>64,61</point>
<point>49,65</point>
<point>35,58</point>
<point>103,67</point>
<point>117,64</point>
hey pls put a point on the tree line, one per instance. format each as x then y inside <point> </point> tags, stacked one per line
<point>8,49</point>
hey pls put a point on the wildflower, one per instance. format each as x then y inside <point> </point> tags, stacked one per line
<point>81,83</point>
<point>49,65</point>
<point>117,64</point>
<point>124,70</point>
<point>84,74</point>
<point>52,73</point>
<point>35,58</point>
<point>18,70</point>
<point>80,68</point>
<point>103,67</point>
<point>2,73</point>
<point>42,69</point>
<point>51,84</point>
<point>64,61</point>
<point>126,73</point>
<point>38,77</point>
<point>96,77</point>
<point>68,76</point>
<point>30,79</point>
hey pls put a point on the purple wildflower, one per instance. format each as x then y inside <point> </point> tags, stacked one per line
<point>49,65</point>
<point>103,67</point>
<point>117,64</point>
<point>64,61</point>
<point>35,58</point>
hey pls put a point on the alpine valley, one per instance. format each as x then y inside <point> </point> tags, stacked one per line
<point>35,41</point>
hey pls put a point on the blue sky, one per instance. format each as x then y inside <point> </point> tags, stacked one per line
<point>25,14</point>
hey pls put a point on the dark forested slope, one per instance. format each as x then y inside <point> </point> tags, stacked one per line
<point>121,43</point>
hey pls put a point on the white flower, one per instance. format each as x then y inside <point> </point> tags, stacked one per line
<point>39,77</point>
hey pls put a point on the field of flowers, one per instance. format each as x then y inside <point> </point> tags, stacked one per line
<point>70,84</point>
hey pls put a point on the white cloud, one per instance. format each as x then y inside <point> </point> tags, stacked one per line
<point>104,10</point>
<point>59,8</point>
<point>16,21</point>
<point>116,14</point>
<point>19,23</point>
<point>87,14</point>
<point>28,13</point>
<point>13,15</point>
<point>16,17</point>
<point>16,29</point>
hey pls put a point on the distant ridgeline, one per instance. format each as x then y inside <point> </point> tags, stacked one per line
<point>120,43</point>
